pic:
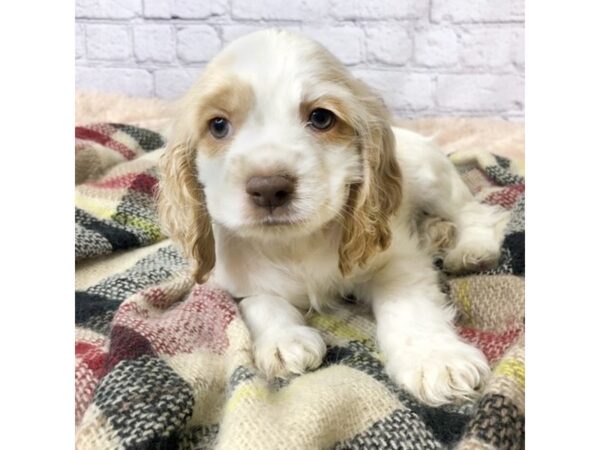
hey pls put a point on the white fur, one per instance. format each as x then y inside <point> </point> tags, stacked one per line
<point>277,269</point>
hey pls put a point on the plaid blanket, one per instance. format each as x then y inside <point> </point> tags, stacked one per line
<point>163,363</point>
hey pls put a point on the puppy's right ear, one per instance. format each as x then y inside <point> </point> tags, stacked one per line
<point>182,207</point>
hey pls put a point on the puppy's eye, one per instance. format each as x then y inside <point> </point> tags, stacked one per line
<point>321,119</point>
<point>219,127</point>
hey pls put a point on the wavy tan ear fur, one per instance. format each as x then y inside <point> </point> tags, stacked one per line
<point>182,208</point>
<point>366,223</point>
<point>181,199</point>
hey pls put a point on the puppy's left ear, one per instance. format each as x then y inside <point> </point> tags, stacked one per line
<point>371,203</point>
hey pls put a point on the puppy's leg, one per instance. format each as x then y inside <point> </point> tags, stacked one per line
<point>480,234</point>
<point>438,188</point>
<point>424,353</point>
<point>283,344</point>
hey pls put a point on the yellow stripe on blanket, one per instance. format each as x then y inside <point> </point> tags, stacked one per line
<point>249,390</point>
<point>146,226</point>
<point>254,389</point>
<point>462,293</point>
<point>337,327</point>
<point>512,368</point>
<point>101,208</point>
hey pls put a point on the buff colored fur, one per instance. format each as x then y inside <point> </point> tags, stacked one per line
<point>351,227</point>
<point>182,210</point>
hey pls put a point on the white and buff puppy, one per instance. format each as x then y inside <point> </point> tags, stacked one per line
<point>285,184</point>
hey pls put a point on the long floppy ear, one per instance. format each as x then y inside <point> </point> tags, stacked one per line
<point>372,202</point>
<point>182,207</point>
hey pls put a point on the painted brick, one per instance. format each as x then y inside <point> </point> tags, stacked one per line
<point>108,9</point>
<point>232,32</point>
<point>424,56</point>
<point>108,42</point>
<point>463,92</point>
<point>517,9</point>
<point>197,43</point>
<point>400,90</point>
<point>197,9</point>
<point>79,41</point>
<point>476,10</point>
<point>436,47</point>
<point>157,9</point>
<point>389,44</point>
<point>135,82</point>
<point>346,42</point>
<point>487,47</point>
<point>154,43</point>
<point>173,83</point>
<point>518,48</point>
<point>394,9</point>
<point>278,9</point>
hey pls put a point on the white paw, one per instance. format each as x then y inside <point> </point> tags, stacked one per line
<point>473,254</point>
<point>439,371</point>
<point>293,350</point>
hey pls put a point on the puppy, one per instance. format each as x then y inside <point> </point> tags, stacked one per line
<point>284,183</point>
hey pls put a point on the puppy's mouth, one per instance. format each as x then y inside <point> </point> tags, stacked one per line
<point>277,219</point>
<point>271,221</point>
<point>282,216</point>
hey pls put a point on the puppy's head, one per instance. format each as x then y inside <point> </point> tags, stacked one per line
<point>277,140</point>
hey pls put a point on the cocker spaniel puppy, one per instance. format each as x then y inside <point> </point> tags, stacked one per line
<point>285,184</point>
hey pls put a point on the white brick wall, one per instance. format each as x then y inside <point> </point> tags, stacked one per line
<point>426,57</point>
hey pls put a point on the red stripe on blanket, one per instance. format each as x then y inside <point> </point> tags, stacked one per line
<point>126,343</point>
<point>157,297</point>
<point>493,345</point>
<point>507,197</point>
<point>85,385</point>
<point>89,369</point>
<point>199,322</point>
<point>90,134</point>
<point>140,182</point>
<point>93,357</point>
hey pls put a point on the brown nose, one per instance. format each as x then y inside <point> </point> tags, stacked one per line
<point>270,192</point>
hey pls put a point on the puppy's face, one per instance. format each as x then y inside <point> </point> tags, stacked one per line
<point>276,140</point>
<point>275,150</point>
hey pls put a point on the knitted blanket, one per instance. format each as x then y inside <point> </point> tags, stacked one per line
<point>163,363</point>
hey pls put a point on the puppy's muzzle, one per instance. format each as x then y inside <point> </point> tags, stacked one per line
<point>270,192</point>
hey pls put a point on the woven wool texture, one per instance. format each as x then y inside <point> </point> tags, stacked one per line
<point>164,363</point>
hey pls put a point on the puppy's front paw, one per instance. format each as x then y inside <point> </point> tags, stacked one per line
<point>283,351</point>
<point>438,372</point>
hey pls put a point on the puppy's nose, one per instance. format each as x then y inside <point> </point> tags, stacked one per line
<point>270,192</point>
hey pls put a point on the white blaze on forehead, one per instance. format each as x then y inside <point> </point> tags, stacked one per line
<point>271,63</point>
<point>277,62</point>
<point>286,73</point>
<point>274,76</point>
